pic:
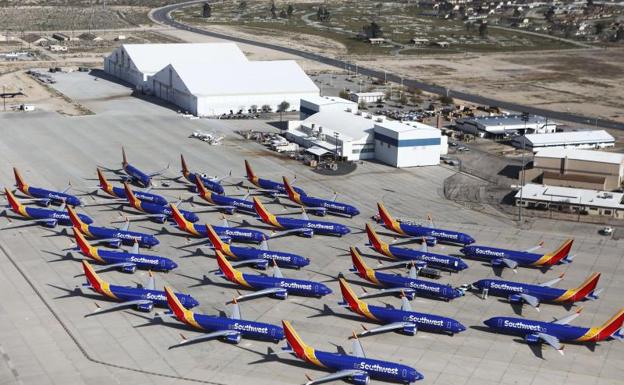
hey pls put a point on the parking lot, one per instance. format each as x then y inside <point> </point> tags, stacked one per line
<point>45,338</point>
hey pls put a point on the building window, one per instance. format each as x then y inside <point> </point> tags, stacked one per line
<point>607,212</point>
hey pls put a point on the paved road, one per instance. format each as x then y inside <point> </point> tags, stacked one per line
<point>162,15</point>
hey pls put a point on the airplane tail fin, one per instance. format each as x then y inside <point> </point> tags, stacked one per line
<point>561,253</point>
<point>292,194</point>
<point>359,265</point>
<point>387,219</point>
<point>226,268</point>
<point>250,174</point>
<point>263,212</point>
<point>586,288</point>
<point>179,219</point>
<point>301,349</point>
<point>185,170</point>
<point>374,240</point>
<point>348,295</point>
<point>82,243</point>
<point>610,327</point>
<point>75,219</point>
<point>16,206</point>
<point>124,160</point>
<point>180,312</point>
<point>130,195</point>
<point>214,238</point>
<point>201,189</point>
<point>104,183</point>
<point>93,279</point>
<point>19,181</point>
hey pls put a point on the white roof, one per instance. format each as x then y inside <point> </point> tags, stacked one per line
<point>570,137</point>
<point>572,196</point>
<point>226,78</point>
<point>347,124</point>
<point>151,58</point>
<point>364,94</point>
<point>396,126</point>
<point>318,151</point>
<point>587,155</point>
<point>327,100</point>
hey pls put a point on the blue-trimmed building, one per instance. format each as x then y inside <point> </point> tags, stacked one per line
<point>408,145</point>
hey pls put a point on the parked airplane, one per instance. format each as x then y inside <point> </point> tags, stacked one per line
<point>45,197</point>
<point>209,138</point>
<point>304,226</point>
<point>229,329</point>
<point>410,286</point>
<point>555,332</point>
<point>431,235</point>
<point>226,233</point>
<point>275,286</point>
<point>321,206</point>
<point>120,192</point>
<point>356,368</point>
<point>267,185</point>
<point>210,183</point>
<point>44,217</point>
<point>157,212</point>
<point>259,257</point>
<point>403,320</point>
<point>438,261</point>
<point>229,204</point>
<point>137,176</point>
<point>518,292</point>
<point>512,258</point>
<point>127,262</point>
<point>144,298</point>
<point>112,237</point>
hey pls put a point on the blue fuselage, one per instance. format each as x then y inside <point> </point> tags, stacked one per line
<point>247,329</point>
<point>523,327</point>
<point>166,212</point>
<point>421,287</point>
<point>156,199</point>
<point>236,203</point>
<point>330,206</point>
<point>126,237</point>
<point>276,187</point>
<point>158,297</point>
<point>281,258</point>
<point>508,289</point>
<point>439,261</point>
<point>142,261</point>
<point>55,197</point>
<point>445,236</point>
<point>236,234</point>
<point>137,175</point>
<point>61,217</point>
<point>211,185</point>
<point>318,227</point>
<point>292,286</point>
<point>423,321</point>
<point>492,253</point>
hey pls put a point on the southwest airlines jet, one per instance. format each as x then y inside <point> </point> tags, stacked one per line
<point>135,175</point>
<point>152,210</point>
<point>512,258</point>
<point>555,332</point>
<point>319,205</point>
<point>403,320</point>
<point>356,368</point>
<point>432,235</point>
<point>229,329</point>
<point>45,217</point>
<point>223,202</point>
<point>43,196</point>
<point>518,292</point>
<point>267,185</point>
<point>120,192</point>
<point>193,177</point>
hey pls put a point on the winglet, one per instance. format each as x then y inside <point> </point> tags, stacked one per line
<point>19,181</point>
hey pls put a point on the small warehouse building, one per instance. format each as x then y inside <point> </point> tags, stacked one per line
<point>572,200</point>
<point>568,167</point>
<point>403,145</point>
<point>505,125</point>
<point>366,97</point>
<point>313,104</point>
<point>567,139</point>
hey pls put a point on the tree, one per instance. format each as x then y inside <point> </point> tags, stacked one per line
<point>322,14</point>
<point>446,99</point>
<point>550,14</point>
<point>483,29</point>
<point>469,26</point>
<point>600,27</point>
<point>207,10</point>
<point>242,6</point>
<point>362,105</point>
<point>283,107</point>
<point>344,94</point>
<point>372,30</point>
<point>254,108</point>
<point>283,14</point>
<point>388,94</point>
<point>266,108</point>
<point>403,99</point>
<point>619,34</point>
<point>273,10</point>
<point>290,10</point>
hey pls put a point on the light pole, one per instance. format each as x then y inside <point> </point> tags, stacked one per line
<point>525,119</point>
<point>336,144</point>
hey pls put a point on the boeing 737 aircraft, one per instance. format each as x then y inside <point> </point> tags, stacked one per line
<point>321,206</point>
<point>409,286</point>
<point>228,204</point>
<point>260,258</point>
<point>137,176</point>
<point>229,329</point>
<point>518,292</point>
<point>431,235</point>
<point>157,212</point>
<point>142,298</point>
<point>45,217</point>
<point>267,185</point>
<point>512,259</point>
<point>120,192</point>
<point>402,320</point>
<point>555,332</point>
<point>438,261</point>
<point>193,177</point>
<point>113,237</point>
<point>127,262</point>
<point>225,232</point>
<point>45,197</point>
<point>303,226</point>
<point>356,368</point>
<point>275,286</point>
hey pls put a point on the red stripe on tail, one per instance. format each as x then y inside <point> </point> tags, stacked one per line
<point>214,238</point>
<point>15,205</point>
<point>611,326</point>
<point>586,288</point>
<point>373,238</point>
<point>94,280</point>
<point>75,219</point>
<point>561,253</point>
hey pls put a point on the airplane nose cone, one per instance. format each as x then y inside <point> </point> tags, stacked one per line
<point>305,261</point>
<point>355,212</point>
<point>490,322</point>
<point>279,334</point>
<point>193,303</point>
<point>325,290</point>
<point>463,250</point>
<point>460,328</point>
<point>462,265</point>
<point>415,376</point>
<point>153,242</point>
<point>172,265</point>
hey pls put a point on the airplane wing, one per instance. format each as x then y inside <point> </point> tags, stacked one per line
<point>390,291</point>
<point>356,348</point>
<point>261,293</point>
<point>531,300</point>
<point>567,319</point>
<point>388,328</point>
<point>151,282</point>
<point>159,172</point>
<point>510,263</point>
<point>235,312</point>
<point>552,281</point>
<point>126,225</point>
<point>552,341</point>
<point>259,262</point>
<point>291,231</point>
<point>69,186</point>
<point>135,247</point>
<point>536,247</point>
<point>337,376</point>
<point>277,273</point>
<point>114,266</point>
<point>207,336</point>
<point>121,305</point>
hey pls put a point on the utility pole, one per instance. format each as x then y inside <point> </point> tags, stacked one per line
<point>525,119</point>
<point>336,144</point>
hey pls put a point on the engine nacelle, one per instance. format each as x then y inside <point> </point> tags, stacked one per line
<point>230,211</point>
<point>321,212</point>
<point>262,265</point>
<point>431,241</point>
<point>497,262</point>
<point>114,243</point>
<point>50,223</point>
<point>146,307</point>
<point>515,298</point>
<point>281,294</point>
<point>233,339</point>
<point>361,379</point>
<point>409,330</point>
<point>531,339</point>
<point>44,202</point>
<point>130,269</point>
<point>409,294</point>
<point>308,233</point>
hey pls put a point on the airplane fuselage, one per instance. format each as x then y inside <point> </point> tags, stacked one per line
<point>126,237</point>
<point>60,217</point>
<point>508,289</point>
<point>137,175</point>
<point>441,235</point>
<point>142,261</point>
<point>157,297</point>
<point>237,204</point>
<point>275,187</point>
<point>236,234</point>
<point>282,259</point>
<point>318,227</point>
<point>423,321</point>
<point>55,197</point>
<point>208,183</point>
<point>421,287</point>
<point>292,286</point>
<point>524,327</point>
<point>330,206</point>
<point>156,199</point>
<point>439,261</point>
<point>493,254</point>
<point>165,211</point>
<point>247,329</point>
